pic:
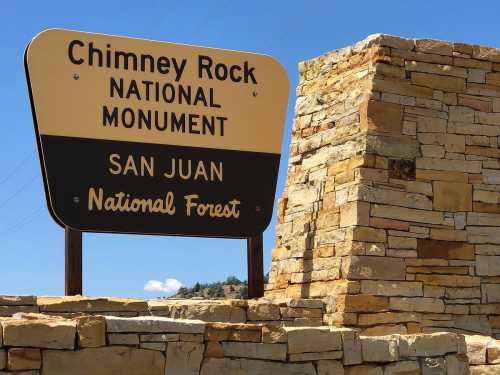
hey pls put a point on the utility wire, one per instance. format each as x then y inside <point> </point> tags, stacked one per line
<point>23,222</point>
<point>19,191</point>
<point>17,168</point>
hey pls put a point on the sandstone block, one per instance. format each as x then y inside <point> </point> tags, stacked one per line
<point>320,339</point>
<point>449,84</point>
<point>375,268</point>
<point>153,324</point>
<point>485,370</point>
<point>183,358</point>
<point>438,47</point>
<point>272,334</point>
<point>39,333</point>
<point>17,300</point>
<point>330,367</point>
<point>388,317</point>
<point>449,280</point>
<point>91,331</point>
<point>351,345</point>
<point>363,370</point>
<point>118,360</point>
<point>492,292</point>
<point>444,249</point>
<point>88,304</point>
<point>381,117</point>
<point>163,337</point>
<point>379,349</point>
<point>24,359</point>
<point>476,348</point>
<point>3,359</point>
<point>233,332</point>
<point>275,352</point>
<point>218,366</point>
<point>452,196</point>
<point>423,345</point>
<point>402,368</point>
<point>418,304</point>
<point>123,339</point>
<point>407,214</point>
<point>433,366</point>
<point>488,265</point>
<point>263,311</point>
<point>355,213</point>
<point>392,288</point>
<point>361,302</point>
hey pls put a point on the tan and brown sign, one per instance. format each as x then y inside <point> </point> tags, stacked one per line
<point>140,136</point>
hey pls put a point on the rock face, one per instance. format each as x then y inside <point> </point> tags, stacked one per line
<point>393,188</point>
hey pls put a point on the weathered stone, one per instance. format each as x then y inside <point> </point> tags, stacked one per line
<point>452,196</point>
<point>330,367</point>
<point>272,334</point>
<point>351,345</point>
<point>17,300</point>
<point>233,332</point>
<point>161,337</point>
<point>388,317</point>
<point>183,358</point>
<point>87,304</point>
<point>363,370</point>
<point>24,359</point>
<point>153,324</point>
<point>449,280</point>
<point>392,288</point>
<point>419,304</point>
<point>449,84</point>
<point>263,311</point>
<point>444,249</point>
<point>476,348</point>
<point>423,345</point>
<point>218,366</point>
<point>488,265</point>
<point>379,349</point>
<point>381,117</point>
<point>485,370</point>
<point>438,47</point>
<point>433,366</point>
<point>407,214</point>
<point>275,352</point>
<point>402,368</point>
<point>39,333</point>
<point>123,339</point>
<point>375,268</point>
<point>3,359</point>
<point>117,360</point>
<point>91,331</point>
<point>361,302</point>
<point>321,339</point>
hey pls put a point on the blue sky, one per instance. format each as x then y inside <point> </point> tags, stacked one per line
<point>32,245</point>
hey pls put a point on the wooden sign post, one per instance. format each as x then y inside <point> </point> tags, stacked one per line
<point>72,262</point>
<point>146,137</point>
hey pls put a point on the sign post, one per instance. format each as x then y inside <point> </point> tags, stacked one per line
<point>255,265</point>
<point>72,262</point>
<point>146,137</point>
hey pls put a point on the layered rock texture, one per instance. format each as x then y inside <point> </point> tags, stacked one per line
<point>391,206</point>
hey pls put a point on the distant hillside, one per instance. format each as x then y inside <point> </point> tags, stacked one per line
<point>231,288</point>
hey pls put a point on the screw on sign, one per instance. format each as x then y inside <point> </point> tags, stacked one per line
<point>140,136</point>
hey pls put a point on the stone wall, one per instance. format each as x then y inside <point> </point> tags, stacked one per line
<point>284,312</point>
<point>32,344</point>
<point>391,205</point>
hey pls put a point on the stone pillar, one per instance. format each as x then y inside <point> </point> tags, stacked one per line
<point>391,207</point>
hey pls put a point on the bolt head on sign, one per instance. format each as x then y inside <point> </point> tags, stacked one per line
<point>140,136</point>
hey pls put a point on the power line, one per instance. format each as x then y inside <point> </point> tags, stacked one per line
<point>17,168</point>
<point>19,191</point>
<point>23,222</point>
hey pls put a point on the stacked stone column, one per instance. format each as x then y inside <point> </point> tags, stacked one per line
<point>391,207</point>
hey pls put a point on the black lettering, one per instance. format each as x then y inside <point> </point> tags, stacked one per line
<point>232,73</point>
<point>109,118</point>
<point>151,63</point>
<point>71,56</point>
<point>178,123</point>
<point>126,56</point>
<point>163,65</point>
<point>221,76</point>
<point>93,51</point>
<point>204,64</point>
<point>248,73</point>
<point>113,86</point>
<point>128,124</point>
<point>193,123</point>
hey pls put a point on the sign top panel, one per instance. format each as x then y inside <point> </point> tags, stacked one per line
<point>97,86</point>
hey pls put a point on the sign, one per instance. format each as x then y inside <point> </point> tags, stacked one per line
<point>139,136</point>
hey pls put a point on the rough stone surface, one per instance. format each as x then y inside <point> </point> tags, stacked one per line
<point>117,360</point>
<point>183,358</point>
